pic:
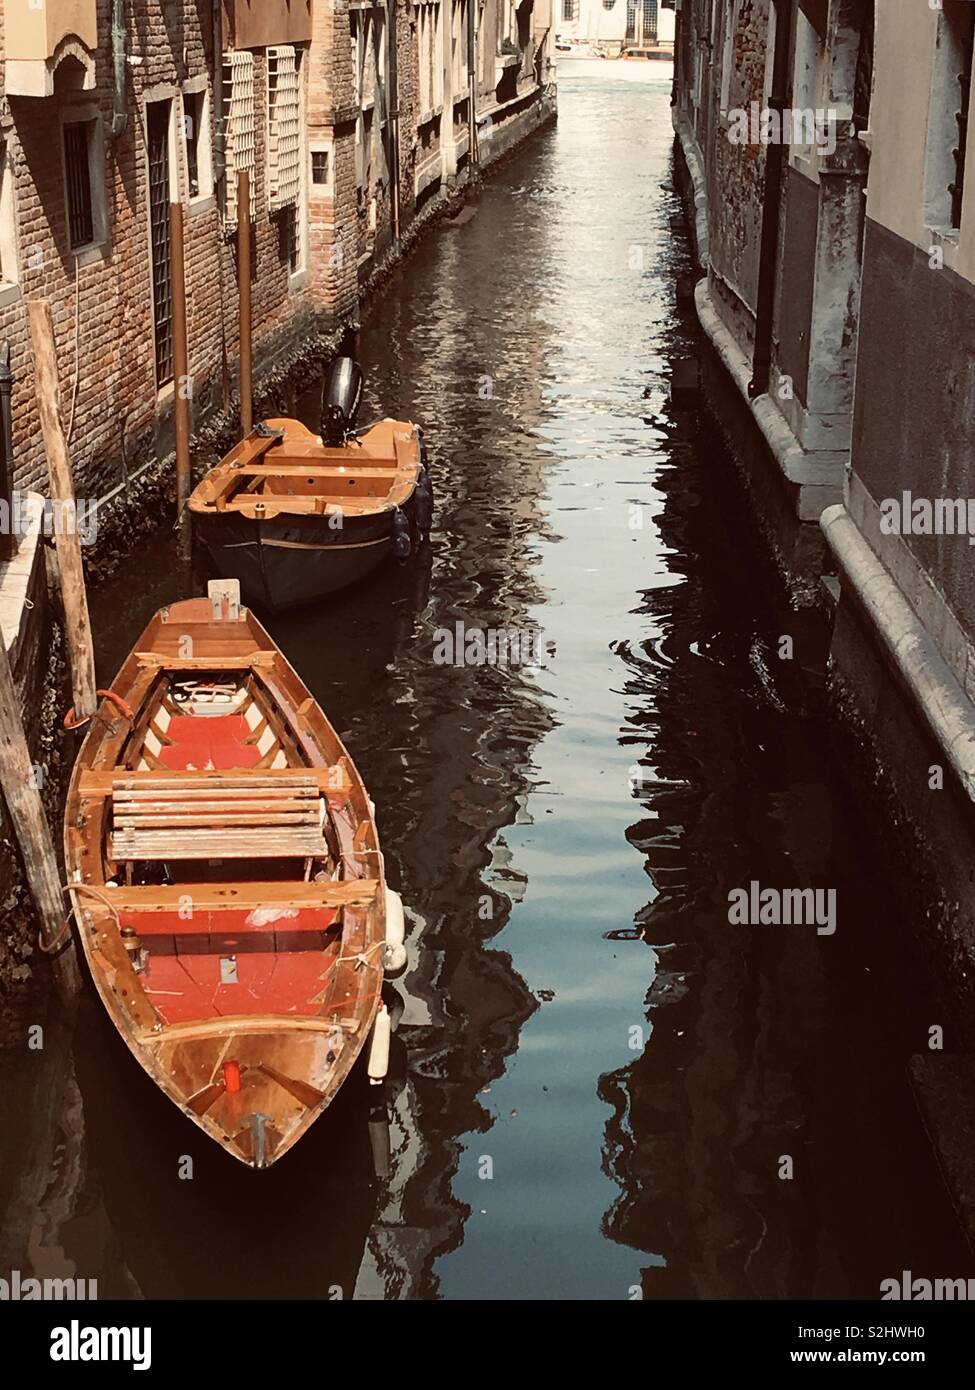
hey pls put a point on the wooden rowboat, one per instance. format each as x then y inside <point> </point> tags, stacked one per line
<point>294,519</point>
<point>226,878</point>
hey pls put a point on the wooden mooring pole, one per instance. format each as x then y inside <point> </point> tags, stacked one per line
<point>8,541</point>
<point>184,384</point>
<point>184,387</point>
<point>244,288</point>
<point>64,512</point>
<point>22,795</point>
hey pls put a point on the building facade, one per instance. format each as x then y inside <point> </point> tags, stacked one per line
<point>349,116</point>
<point>611,27</point>
<point>828,161</point>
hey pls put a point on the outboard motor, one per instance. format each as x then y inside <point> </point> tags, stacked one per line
<point>341,397</point>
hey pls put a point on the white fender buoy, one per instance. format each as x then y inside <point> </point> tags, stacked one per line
<point>394,953</point>
<point>379,1047</point>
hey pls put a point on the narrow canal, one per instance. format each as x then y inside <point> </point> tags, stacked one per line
<point>597,1079</point>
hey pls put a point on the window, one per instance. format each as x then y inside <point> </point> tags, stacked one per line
<point>431,69</point>
<point>196,132</point>
<point>287,181</point>
<point>570,10</point>
<point>641,22</point>
<point>459,49</point>
<point>728,52</point>
<point>78,137</point>
<point>948,116</point>
<point>238,105</point>
<point>8,220</point>
<point>356,59</point>
<point>319,167</point>
<point>436,12</point>
<point>423,45</point>
<point>863,82</point>
<point>191,107</point>
<point>289,238</point>
<point>159,115</point>
<point>283,127</point>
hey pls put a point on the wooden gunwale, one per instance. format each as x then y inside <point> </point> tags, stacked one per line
<point>349,994</point>
<point>231,485</point>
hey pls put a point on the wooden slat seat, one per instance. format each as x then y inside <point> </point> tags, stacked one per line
<point>331,781</point>
<point>186,816</point>
<point>216,897</point>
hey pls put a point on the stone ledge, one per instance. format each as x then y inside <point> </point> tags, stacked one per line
<point>933,686</point>
<point>23,595</point>
<point>695,167</point>
<point>818,476</point>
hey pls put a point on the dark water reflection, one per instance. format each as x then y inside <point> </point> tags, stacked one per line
<point>546,827</point>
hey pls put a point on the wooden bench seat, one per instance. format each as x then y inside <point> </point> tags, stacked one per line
<point>286,911</point>
<point>217,897</point>
<point>331,781</point>
<point>181,815</point>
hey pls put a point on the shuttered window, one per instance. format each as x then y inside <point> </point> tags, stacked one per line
<point>283,127</point>
<point>238,104</point>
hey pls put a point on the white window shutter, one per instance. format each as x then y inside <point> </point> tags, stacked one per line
<point>284,127</point>
<point>238,105</point>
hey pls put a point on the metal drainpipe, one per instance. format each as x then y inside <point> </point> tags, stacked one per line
<point>120,116</point>
<point>220,141</point>
<point>8,541</point>
<point>772,201</point>
<point>392,107</point>
<point>475,157</point>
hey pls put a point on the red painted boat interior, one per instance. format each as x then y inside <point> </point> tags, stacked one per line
<point>213,741</point>
<point>185,987</point>
<point>282,960</point>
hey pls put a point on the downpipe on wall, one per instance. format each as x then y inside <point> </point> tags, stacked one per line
<point>392,105</point>
<point>119,112</point>
<point>772,202</point>
<point>474,153</point>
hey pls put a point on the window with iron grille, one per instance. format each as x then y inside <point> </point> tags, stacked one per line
<point>863,82</point>
<point>77,175</point>
<point>964,78</point>
<point>948,116</point>
<point>158,115</point>
<point>240,126</point>
<point>283,126</point>
<point>641,22</point>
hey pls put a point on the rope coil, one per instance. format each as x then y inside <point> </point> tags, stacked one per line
<point>71,723</point>
<point>53,948</point>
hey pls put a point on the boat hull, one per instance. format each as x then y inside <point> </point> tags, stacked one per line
<point>226,879</point>
<point>294,519</point>
<point>285,563</point>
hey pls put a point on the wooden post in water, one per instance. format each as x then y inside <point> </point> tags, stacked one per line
<point>8,541</point>
<point>26,811</point>
<point>180,359</point>
<point>66,538</point>
<point>244,286</point>
<point>184,385</point>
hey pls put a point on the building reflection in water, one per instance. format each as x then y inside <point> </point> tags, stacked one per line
<point>763,1042</point>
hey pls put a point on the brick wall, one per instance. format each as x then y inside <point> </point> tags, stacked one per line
<point>102,300</point>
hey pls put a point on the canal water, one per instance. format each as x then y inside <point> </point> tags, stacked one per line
<point>600,1087</point>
